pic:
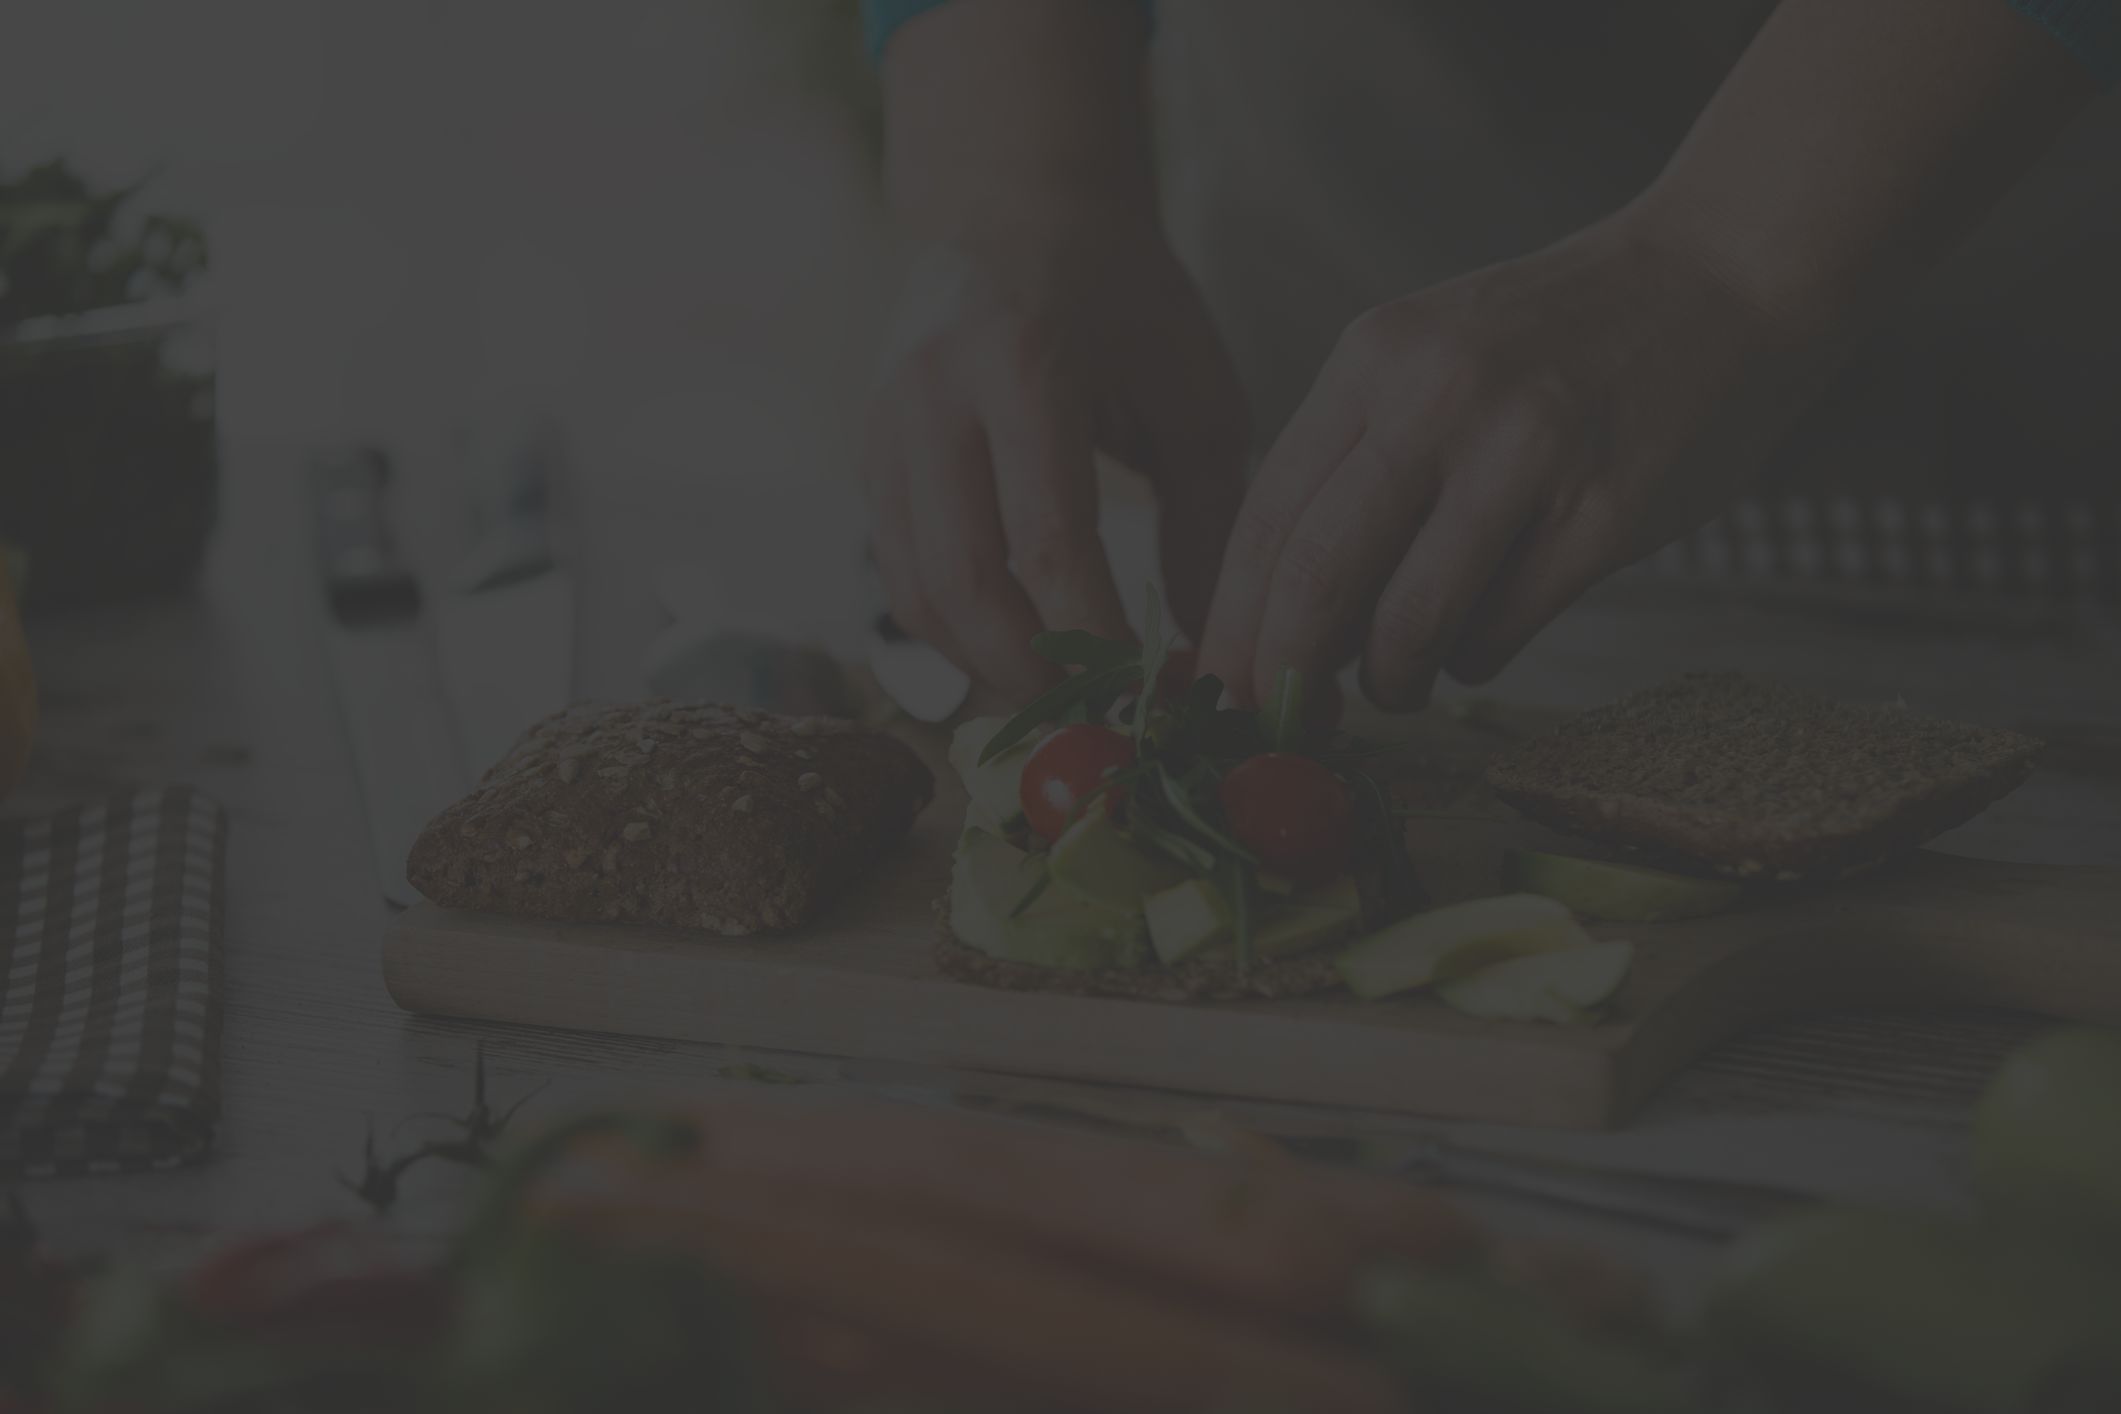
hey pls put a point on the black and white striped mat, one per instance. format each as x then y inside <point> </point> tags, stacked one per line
<point>110,1016</point>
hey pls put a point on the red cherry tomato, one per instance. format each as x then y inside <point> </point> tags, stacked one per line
<point>1063,770</point>
<point>1291,812</point>
<point>320,1280</point>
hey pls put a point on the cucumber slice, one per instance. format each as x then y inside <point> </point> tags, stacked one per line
<point>1564,987</point>
<point>1621,893</point>
<point>1096,856</point>
<point>1455,941</point>
<point>992,787</point>
<point>1186,918</point>
<point>989,883</point>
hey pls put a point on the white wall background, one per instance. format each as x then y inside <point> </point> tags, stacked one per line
<point>658,213</point>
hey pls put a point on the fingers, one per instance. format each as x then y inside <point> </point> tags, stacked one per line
<point>1338,556</point>
<point>1197,443</point>
<point>961,555</point>
<point>1320,436</point>
<point>1496,482</point>
<point>1549,570</point>
<point>884,484</point>
<point>1046,484</point>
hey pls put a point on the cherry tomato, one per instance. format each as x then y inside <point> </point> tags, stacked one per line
<point>1291,812</point>
<point>1062,771</point>
<point>317,1280</point>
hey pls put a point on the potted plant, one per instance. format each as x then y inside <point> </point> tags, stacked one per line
<point>107,446</point>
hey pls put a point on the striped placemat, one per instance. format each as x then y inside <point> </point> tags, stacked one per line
<point>2027,545</point>
<point>110,1016</point>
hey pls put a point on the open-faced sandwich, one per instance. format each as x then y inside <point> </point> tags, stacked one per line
<point>1129,835</point>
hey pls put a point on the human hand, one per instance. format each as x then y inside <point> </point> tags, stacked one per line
<point>1475,456</point>
<point>979,465</point>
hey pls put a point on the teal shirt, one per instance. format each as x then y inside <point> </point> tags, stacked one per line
<point>2090,28</point>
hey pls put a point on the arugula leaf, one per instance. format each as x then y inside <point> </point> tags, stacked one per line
<point>1282,719</point>
<point>1230,734</point>
<point>1381,851</point>
<point>1031,895</point>
<point>1075,690</point>
<point>1189,814</point>
<point>1205,695</point>
<point>1182,851</point>
<point>1080,648</point>
<point>1236,882</point>
<point>1155,649</point>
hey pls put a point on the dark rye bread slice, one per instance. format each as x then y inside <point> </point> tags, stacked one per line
<point>1756,780</point>
<point>683,814</point>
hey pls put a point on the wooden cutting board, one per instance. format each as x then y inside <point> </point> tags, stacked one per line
<point>859,982</point>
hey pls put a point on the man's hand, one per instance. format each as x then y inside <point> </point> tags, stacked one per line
<point>1017,155</point>
<point>979,469</point>
<point>1475,456</point>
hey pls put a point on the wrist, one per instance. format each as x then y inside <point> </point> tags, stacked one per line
<point>1008,116</point>
<point>1796,295</point>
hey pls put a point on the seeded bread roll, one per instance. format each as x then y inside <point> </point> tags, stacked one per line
<point>682,814</point>
<point>1717,772</point>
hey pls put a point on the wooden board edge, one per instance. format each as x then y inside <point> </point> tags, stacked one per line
<point>1244,1049</point>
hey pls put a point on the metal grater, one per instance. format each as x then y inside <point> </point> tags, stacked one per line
<point>2031,547</point>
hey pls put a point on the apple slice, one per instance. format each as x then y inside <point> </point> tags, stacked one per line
<point>1564,987</point>
<point>1455,941</point>
<point>1186,918</point>
<point>1622,893</point>
<point>992,787</point>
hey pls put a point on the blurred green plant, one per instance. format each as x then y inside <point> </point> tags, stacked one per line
<point>107,440</point>
<point>66,248</point>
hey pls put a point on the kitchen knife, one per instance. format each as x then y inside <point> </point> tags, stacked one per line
<point>505,626</point>
<point>1698,1207</point>
<point>408,758</point>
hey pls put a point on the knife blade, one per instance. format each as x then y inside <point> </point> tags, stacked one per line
<point>406,754</point>
<point>1699,1207</point>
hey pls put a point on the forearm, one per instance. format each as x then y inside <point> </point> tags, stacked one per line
<point>1855,143</point>
<point>1017,113</point>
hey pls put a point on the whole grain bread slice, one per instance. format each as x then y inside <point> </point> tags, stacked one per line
<point>688,815</point>
<point>1724,773</point>
<point>1195,980</point>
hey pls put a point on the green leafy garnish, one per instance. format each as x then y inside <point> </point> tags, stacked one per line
<point>1187,853</point>
<point>1237,883</point>
<point>1183,743</point>
<point>1038,887</point>
<point>1155,649</point>
<point>1080,648</point>
<point>1205,695</point>
<point>1282,719</point>
<point>1182,803</point>
<point>1076,690</point>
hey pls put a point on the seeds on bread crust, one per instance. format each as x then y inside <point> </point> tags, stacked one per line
<point>700,840</point>
<point>1754,780</point>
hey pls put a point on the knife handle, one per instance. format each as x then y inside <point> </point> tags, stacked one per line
<point>366,579</point>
